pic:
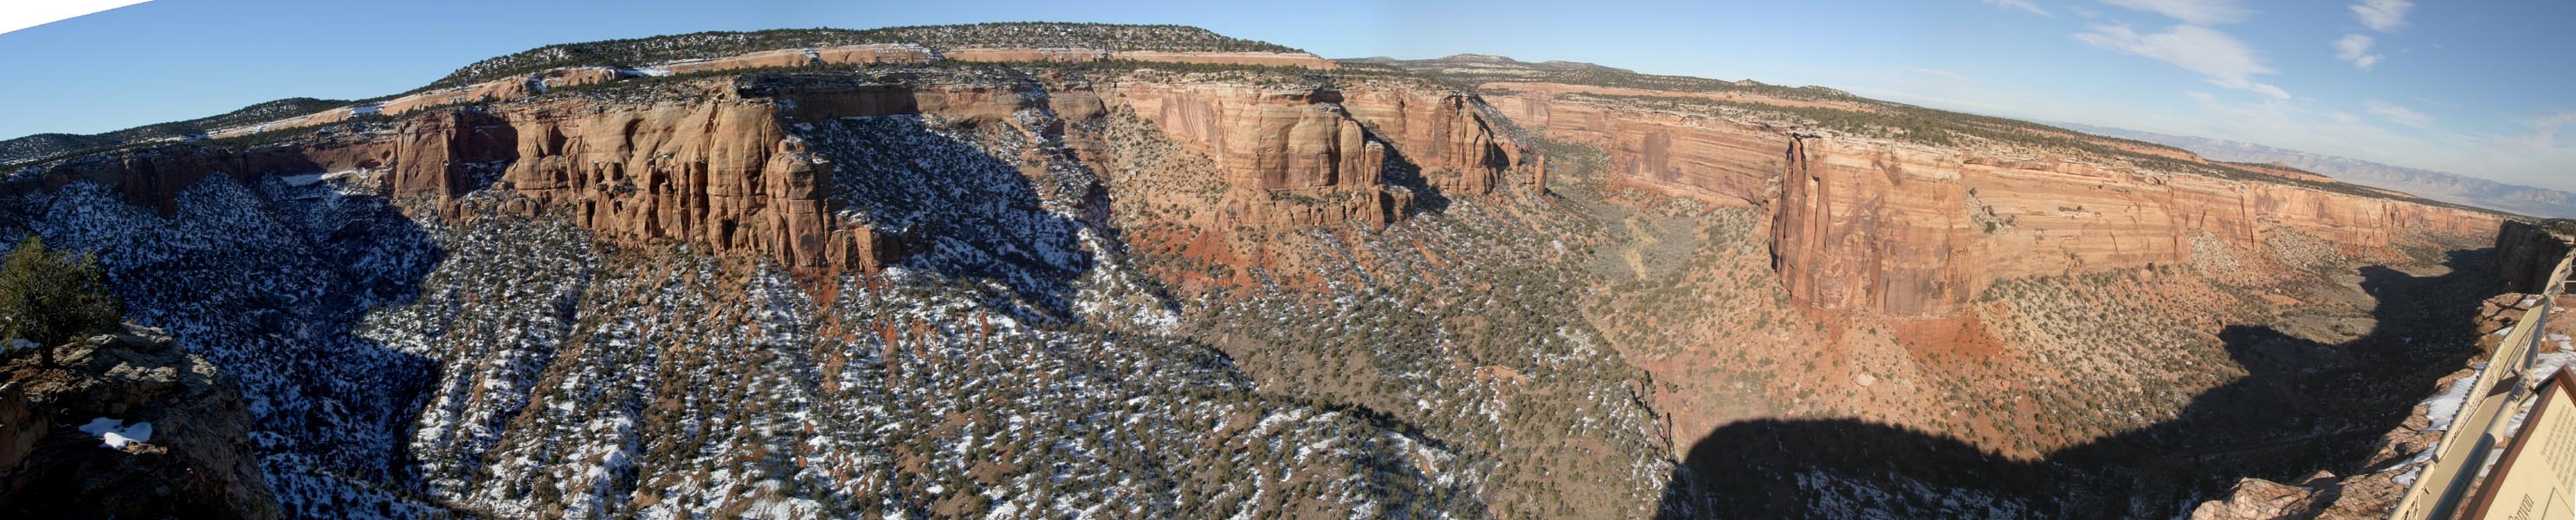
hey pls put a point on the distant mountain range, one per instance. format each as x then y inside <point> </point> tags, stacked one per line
<point>2542,202</point>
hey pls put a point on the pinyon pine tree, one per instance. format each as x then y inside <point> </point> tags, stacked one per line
<point>53,297</point>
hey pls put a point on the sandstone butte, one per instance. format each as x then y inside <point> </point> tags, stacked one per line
<point>1857,224</point>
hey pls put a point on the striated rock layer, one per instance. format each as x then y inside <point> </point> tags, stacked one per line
<point>877,53</point>
<point>1918,231</point>
<point>721,164</point>
<point>1857,223</point>
<point>2526,253</point>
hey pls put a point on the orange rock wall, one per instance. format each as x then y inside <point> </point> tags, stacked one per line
<point>1276,138</point>
<point>1708,158</point>
<point>1904,229</point>
<point>1896,228</point>
<point>1441,132</point>
<point>1306,156</point>
<point>722,170</point>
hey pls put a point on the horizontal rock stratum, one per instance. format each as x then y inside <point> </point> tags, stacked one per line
<point>1917,230</point>
<point>1862,223</point>
<point>724,167</point>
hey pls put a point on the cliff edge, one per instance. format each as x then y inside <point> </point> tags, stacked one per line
<point>129,426</point>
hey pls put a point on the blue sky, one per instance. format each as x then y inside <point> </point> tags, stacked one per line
<point>2475,87</point>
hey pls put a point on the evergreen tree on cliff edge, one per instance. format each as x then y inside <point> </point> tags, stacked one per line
<point>52,297</point>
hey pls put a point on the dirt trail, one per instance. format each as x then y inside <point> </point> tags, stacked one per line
<point>1636,253</point>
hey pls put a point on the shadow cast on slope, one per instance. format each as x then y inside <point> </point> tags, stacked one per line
<point>270,279</point>
<point>1402,172</point>
<point>965,213</point>
<point>2301,406</point>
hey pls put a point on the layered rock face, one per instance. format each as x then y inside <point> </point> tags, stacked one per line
<point>152,177</point>
<point>1917,231</point>
<point>1329,144</point>
<point>879,53</point>
<point>1708,158</point>
<point>1909,230</point>
<point>1442,133</point>
<point>722,166</point>
<point>721,173</point>
<point>1280,137</point>
<point>193,458</point>
<point>2526,253</point>
<point>845,54</point>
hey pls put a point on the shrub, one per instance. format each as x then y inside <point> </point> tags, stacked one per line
<point>52,297</point>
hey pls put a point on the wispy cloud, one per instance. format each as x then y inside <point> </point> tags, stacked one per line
<point>2355,48</point>
<point>2537,155</point>
<point>2534,148</point>
<point>2200,12</point>
<point>2214,55</point>
<point>2552,121</point>
<point>2398,114</point>
<point>2024,5</point>
<point>2382,15</point>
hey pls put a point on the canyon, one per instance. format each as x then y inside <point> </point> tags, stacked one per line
<point>1088,271</point>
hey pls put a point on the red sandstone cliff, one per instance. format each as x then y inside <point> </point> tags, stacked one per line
<point>1917,231</point>
<point>718,166</point>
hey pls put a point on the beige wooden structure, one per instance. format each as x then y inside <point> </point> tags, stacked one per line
<point>2537,476</point>
<point>2446,484</point>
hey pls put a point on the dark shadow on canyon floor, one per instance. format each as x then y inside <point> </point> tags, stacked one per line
<point>2302,406</point>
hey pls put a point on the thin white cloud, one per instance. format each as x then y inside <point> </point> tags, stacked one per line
<point>2355,48</point>
<point>2199,12</point>
<point>21,15</point>
<point>2382,15</point>
<point>2024,5</point>
<point>2398,114</point>
<point>2551,121</point>
<point>1938,73</point>
<point>2537,156</point>
<point>2084,12</point>
<point>2214,55</point>
<point>2535,152</point>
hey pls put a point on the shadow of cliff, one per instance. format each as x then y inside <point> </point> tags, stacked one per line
<point>1402,172</point>
<point>966,213</point>
<point>2302,406</point>
<point>269,280</point>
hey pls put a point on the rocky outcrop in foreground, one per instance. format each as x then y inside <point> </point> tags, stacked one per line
<point>129,426</point>
<point>2403,452</point>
